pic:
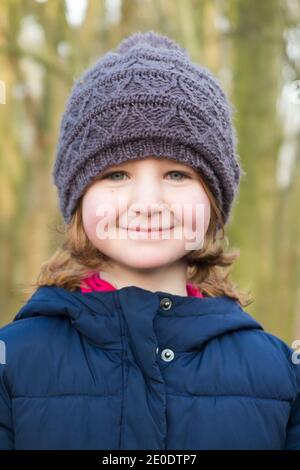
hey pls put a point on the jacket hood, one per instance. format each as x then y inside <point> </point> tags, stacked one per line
<point>133,320</point>
<point>189,322</point>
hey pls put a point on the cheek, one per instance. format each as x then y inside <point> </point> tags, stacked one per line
<point>90,208</point>
<point>88,216</point>
<point>98,210</point>
<point>193,209</point>
<point>206,215</point>
<point>201,217</point>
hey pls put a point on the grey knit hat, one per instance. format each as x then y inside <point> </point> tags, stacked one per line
<point>147,98</point>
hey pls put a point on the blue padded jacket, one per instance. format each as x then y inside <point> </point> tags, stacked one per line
<point>135,369</point>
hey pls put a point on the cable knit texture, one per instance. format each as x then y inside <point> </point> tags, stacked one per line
<point>147,99</point>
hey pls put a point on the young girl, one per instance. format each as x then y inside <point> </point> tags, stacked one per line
<point>135,338</point>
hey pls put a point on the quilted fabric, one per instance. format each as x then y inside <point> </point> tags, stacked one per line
<point>135,369</point>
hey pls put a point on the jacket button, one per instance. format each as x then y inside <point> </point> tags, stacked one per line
<point>167,355</point>
<point>166,303</point>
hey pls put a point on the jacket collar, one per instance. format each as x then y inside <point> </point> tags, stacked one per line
<point>190,322</point>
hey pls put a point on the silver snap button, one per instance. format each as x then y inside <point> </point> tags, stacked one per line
<point>167,355</point>
<point>166,303</point>
<point>157,350</point>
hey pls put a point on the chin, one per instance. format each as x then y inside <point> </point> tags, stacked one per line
<point>143,262</point>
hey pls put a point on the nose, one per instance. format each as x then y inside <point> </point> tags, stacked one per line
<point>147,197</point>
<point>147,206</point>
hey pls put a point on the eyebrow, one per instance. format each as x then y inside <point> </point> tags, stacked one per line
<point>170,163</point>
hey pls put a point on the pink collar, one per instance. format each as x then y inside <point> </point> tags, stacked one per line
<point>96,283</point>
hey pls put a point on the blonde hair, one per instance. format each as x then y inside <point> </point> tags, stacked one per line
<point>208,268</point>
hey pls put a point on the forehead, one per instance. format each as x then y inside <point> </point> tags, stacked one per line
<point>153,162</point>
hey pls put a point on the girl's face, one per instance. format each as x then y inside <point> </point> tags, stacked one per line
<point>146,213</point>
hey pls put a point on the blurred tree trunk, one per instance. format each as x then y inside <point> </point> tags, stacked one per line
<point>241,41</point>
<point>261,218</point>
<point>28,197</point>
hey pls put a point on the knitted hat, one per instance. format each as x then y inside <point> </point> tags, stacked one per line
<point>147,99</point>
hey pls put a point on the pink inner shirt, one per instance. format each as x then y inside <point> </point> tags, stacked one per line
<point>96,283</point>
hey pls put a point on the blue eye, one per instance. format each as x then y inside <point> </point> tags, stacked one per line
<point>113,173</point>
<point>179,173</point>
<point>109,175</point>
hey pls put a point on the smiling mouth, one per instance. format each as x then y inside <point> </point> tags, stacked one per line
<point>149,230</point>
